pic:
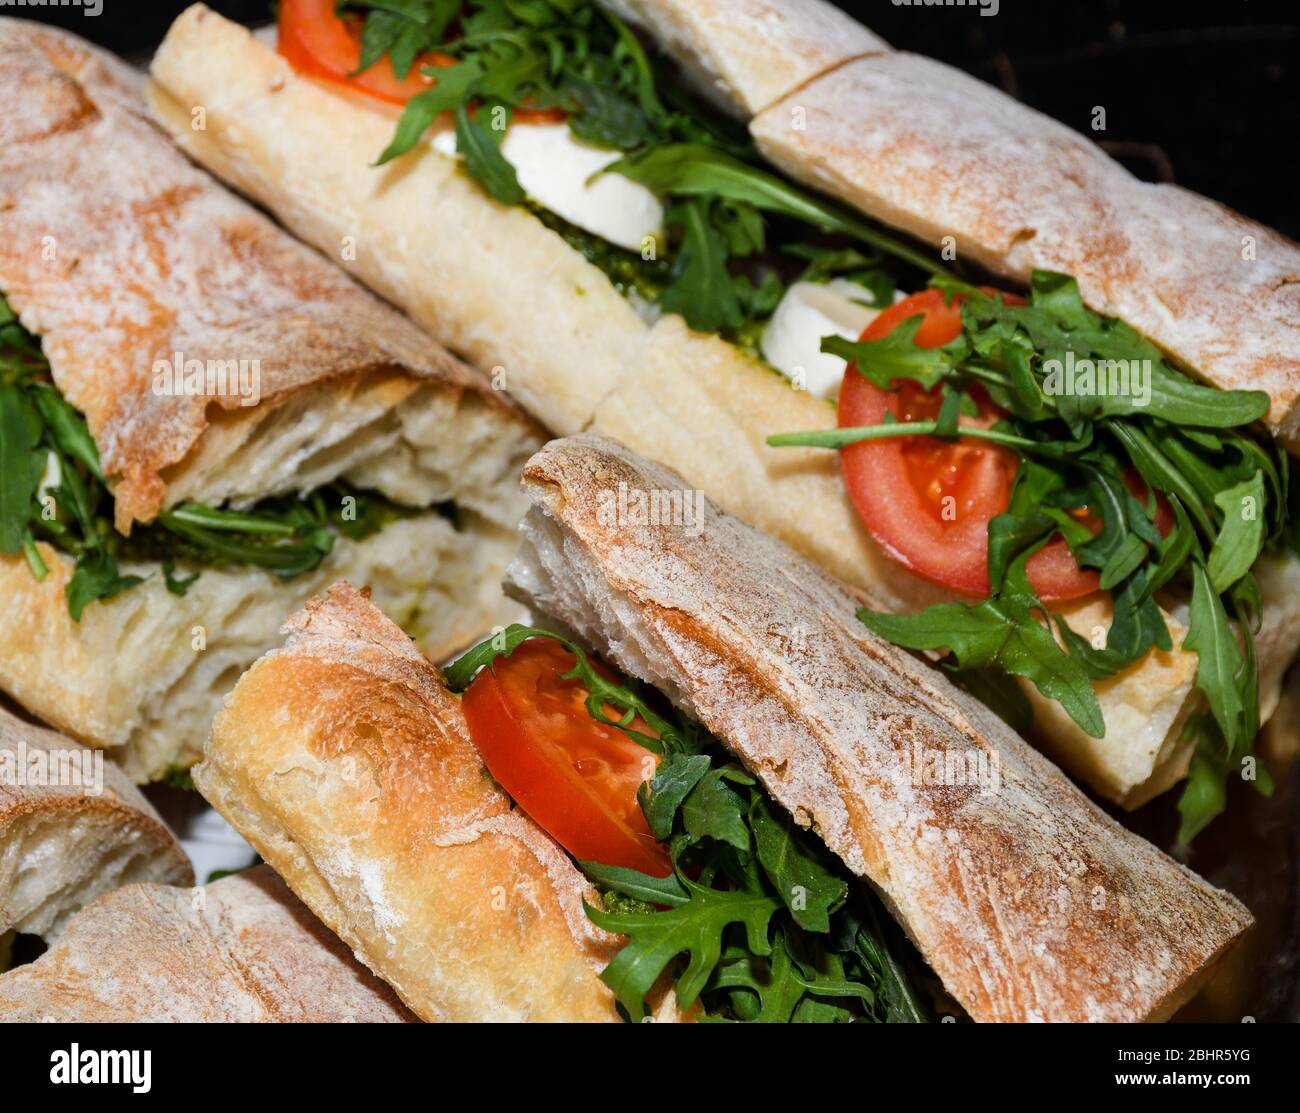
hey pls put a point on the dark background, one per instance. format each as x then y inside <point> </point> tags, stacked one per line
<point>1203,94</point>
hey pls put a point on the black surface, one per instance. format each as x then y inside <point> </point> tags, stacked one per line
<point>1204,94</point>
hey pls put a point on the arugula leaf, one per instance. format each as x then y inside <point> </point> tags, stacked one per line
<point>177,585</point>
<point>825,263</point>
<point>19,472</point>
<point>801,879</point>
<point>96,577</point>
<point>67,428</point>
<point>716,810</point>
<point>893,357</point>
<point>604,117</point>
<point>1241,537</point>
<point>481,146</point>
<point>702,291</point>
<point>695,929</point>
<point>1205,795</point>
<point>676,776</point>
<point>697,170</point>
<point>1003,632</point>
<point>641,886</point>
<point>1219,659</point>
<point>455,86</point>
<point>902,1004</point>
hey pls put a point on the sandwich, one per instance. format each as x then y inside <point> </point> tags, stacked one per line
<point>203,423</point>
<point>72,826</point>
<point>240,950</point>
<point>702,789</point>
<point>717,233</point>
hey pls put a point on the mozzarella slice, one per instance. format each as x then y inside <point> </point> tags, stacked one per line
<point>810,310</point>
<point>553,168</point>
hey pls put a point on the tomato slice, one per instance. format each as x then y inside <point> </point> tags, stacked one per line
<point>317,41</point>
<point>928,503</point>
<point>577,778</point>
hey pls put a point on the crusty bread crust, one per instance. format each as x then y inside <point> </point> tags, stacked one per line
<point>744,54</point>
<point>118,253</point>
<point>1028,900</point>
<point>693,401</point>
<point>929,149</point>
<point>489,281</point>
<point>347,764</point>
<point>240,950</point>
<point>66,839</point>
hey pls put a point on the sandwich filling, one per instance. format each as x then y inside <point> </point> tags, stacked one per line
<point>711,883</point>
<point>53,489</point>
<point>1019,453</point>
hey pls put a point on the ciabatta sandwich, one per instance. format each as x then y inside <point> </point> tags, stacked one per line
<point>744,815</point>
<point>202,423</point>
<point>543,192</point>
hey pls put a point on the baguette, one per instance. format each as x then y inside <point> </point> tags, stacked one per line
<point>241,950</point>
<point>697,402</point>
<point>1030,903</point>
<point>1017,191</point>
<point>71,828</point>
<point>348,766</point>
<point>347,388</point>
<point>744,54</point>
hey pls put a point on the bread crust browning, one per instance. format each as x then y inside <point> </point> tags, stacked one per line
<point>347,764</point>
<point>240,950</point>
<point>745,54</point>
<point>118,253</point>
<point>1028,901</point>
<point>489,281</point>
<point>62,844</point>
<point>937,153</point>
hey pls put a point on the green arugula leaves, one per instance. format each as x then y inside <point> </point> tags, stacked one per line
<point>1106,429</point>
<point>721,203</point>
<point>1007,632</point>
<point>757,921</point>
<point>40,434</point>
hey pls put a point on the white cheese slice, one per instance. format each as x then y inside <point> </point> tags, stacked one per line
<point>809,311</point>
<point>553,168</point>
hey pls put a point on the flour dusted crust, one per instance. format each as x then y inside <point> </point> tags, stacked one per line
<point>347,764</point>
<point>241,950</point>
<point>695,402</point>
<point>65,838</point>
<point>745,54</point>
<point>117,253</point>
<point>489,281</point>
<point>1028,901</point>
<point>928,149</point>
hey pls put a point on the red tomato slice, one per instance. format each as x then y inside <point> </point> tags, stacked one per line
<point>317,41</point>
<point>575,777</point>
<point>899,486</point>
